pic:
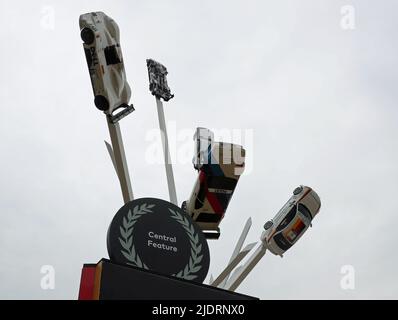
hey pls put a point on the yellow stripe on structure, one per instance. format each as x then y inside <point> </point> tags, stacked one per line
<point>97,281</point>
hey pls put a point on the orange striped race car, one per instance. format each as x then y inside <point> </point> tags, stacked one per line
<point>291,221</point>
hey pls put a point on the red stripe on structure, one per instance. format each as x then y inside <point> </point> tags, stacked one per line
<point>202,177</point>
<point>215,204</point>
<point>211,197</point>
<point>87,282</point>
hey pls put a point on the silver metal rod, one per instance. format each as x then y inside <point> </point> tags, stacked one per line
<point>166,152</point>
<point>110,151</point>
<point>232,264</point>
<point>211,279</point>
<point>242,238</point>
<point>243,272</point>
<point>120,161</point>
<point>238,247</point>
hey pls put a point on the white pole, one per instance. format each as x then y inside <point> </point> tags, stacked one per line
<point>242,238</point>
<point>166,151</point>
<point>231,265</point>
<point>238,247</point>
<point>243,271</point>
<point>120,161</point>
<point>110,151</point>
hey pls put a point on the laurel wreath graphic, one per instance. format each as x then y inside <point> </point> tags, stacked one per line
<point>193,266</point>
<point>126,233</point>
<point>129,252</point>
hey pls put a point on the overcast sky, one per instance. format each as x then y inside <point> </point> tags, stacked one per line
<point>319,101</point>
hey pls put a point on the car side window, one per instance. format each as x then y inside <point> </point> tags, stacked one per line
<point>289,217</point>
<point>111,55</point>
<point>306,213</point>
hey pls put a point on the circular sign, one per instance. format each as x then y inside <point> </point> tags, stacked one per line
<point>157,235</point>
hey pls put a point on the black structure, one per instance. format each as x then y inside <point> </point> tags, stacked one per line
<point>122,282</point>
<point>156,235</point>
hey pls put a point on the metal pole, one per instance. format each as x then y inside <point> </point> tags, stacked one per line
<point>231,265</point>
<point>166,152</point>
<point>120,161</point>
<point>242,273</point>
<point>238,247</point>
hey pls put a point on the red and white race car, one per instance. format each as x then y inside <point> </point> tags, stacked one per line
<point>220,166</point>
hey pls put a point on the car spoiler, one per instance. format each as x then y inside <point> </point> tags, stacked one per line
<point>127,109</point>
<point>212,234</point>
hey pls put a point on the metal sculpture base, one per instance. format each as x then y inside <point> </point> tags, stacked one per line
<point>110,281</point>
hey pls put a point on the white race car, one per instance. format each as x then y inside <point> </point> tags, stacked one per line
<point>291,221</point>
<point>101,42</point>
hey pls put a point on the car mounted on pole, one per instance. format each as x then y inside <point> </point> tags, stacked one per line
<point>220,166</point>
<point>101,41</point>
<point>291,221</point>
<point>157,80</point>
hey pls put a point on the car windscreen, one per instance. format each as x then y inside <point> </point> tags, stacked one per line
<point>289,217</point>
<point>111,55</point>
<point>282,242</point>
<point>306,213</point>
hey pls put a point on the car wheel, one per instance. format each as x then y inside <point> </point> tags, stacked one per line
<point>268,225</point>
<point>298,190</point>
<point>87,35</point>
<point>101,103</point>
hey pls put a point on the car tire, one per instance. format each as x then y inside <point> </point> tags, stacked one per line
<point>101,103</point>
<point>268,225</point>
<point>87,35</point>
<point>298,190</point>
